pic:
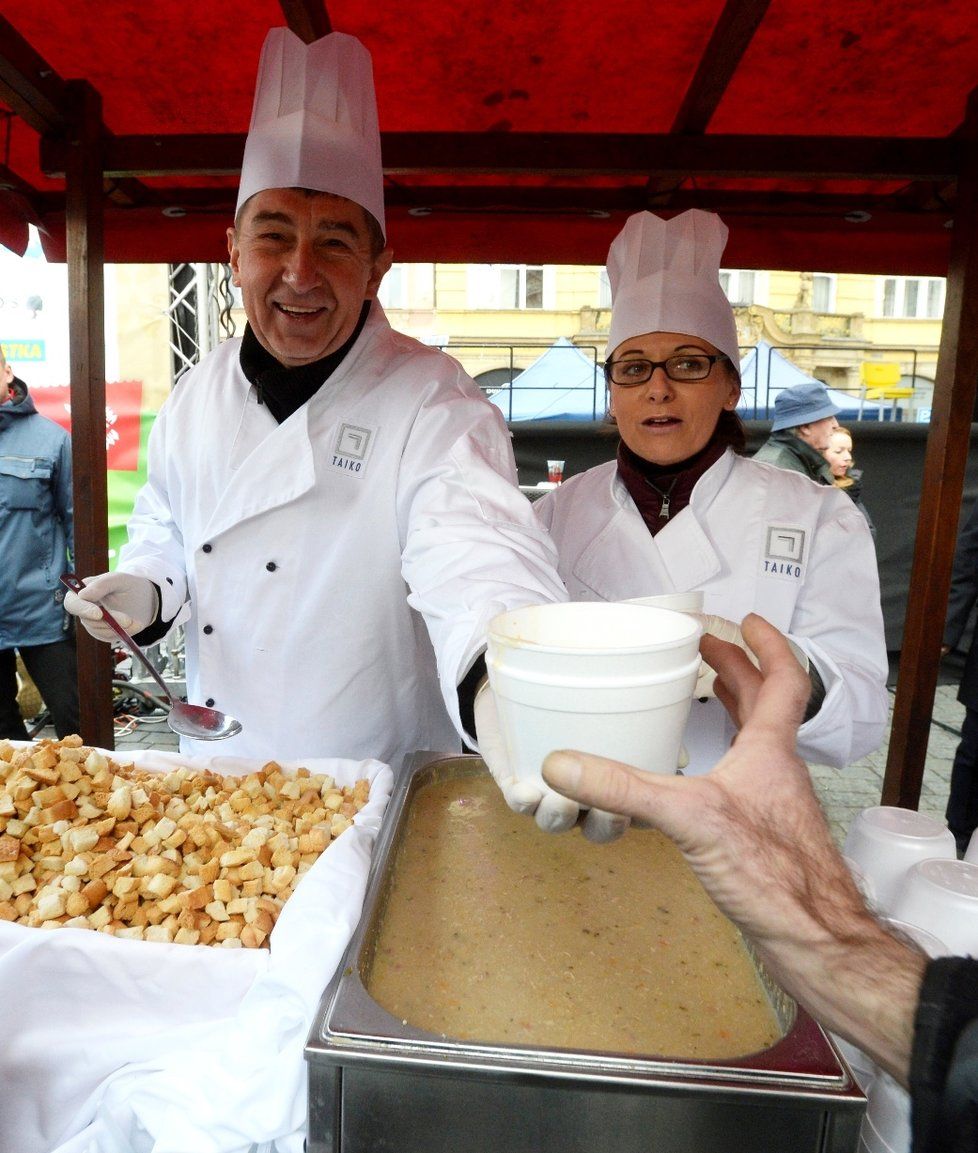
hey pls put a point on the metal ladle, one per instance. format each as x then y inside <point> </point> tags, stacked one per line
<point>197,721</point>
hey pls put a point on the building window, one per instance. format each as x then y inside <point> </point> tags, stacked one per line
<point>823,292</point>
<point>510,286</point>
<point>738,284</point>
<point>391,291</point>
<point>920,297</point>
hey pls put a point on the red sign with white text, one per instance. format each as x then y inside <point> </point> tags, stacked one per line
<point>123,401</point>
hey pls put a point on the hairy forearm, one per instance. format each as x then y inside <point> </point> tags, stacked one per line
<point>864,985</point>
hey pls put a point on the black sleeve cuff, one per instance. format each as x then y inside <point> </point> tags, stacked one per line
<point>157,630</point>
<point>944,1060</point>
<point>466,696</point>
<point>817,695</point>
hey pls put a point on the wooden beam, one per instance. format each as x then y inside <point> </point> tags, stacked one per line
<point>633,197</point>
<point>940,498</point>
<point>577,199</point>
<point>721,58</point>
<point>308,19</point>
<point>29,86</point>
<point>86,333</point>
<point>815,157</point>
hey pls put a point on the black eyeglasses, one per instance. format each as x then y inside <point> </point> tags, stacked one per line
<point>681,368</point>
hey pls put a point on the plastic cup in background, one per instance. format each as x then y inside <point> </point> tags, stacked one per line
<point>941,897</point>
<point>607,678</point>
<point>555,471</point>
<point>884,841</point>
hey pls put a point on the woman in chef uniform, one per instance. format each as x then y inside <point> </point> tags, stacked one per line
<point>681,508</point>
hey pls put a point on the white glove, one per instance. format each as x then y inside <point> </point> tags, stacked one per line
<point>552,812</point>
<point>730,631</point>
<point>132,600</point>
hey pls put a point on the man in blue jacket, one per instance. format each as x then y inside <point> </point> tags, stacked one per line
<point>36,545</point>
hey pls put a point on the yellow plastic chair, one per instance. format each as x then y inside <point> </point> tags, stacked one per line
<point>880,380</point>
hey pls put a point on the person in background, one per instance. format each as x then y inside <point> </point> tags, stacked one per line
<point>36,546</point>
<point>755,835</point>
<point>331,506</point>
<point>838,454</point>
<point>681,509</point>
<point>962,803</point>
<point>804,416</point>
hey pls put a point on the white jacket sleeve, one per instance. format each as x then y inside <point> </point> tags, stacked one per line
<point>471,546</point>
<point>838,623</point>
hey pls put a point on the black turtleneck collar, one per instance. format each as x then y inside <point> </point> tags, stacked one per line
<point>285,390</point>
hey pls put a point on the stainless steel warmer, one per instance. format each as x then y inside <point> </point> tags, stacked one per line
<point>376,1083</point>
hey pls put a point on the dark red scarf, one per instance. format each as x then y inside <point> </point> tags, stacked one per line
<point>664,488</point>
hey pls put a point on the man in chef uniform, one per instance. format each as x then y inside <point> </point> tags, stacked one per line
<point>331,506</point>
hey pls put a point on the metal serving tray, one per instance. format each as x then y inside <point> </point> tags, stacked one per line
<point>377,1083</point>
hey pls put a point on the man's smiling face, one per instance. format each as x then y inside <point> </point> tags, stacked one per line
<point>305,263</point>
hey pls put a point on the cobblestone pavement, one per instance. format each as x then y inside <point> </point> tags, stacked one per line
<point>843,792</point>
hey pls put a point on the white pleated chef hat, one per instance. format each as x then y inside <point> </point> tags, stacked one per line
<point>665,277</point>
<point>314,121</point>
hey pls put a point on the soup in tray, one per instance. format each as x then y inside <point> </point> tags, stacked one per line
<point>495,932</point>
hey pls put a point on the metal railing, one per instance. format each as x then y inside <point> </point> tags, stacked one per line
<point>757,385</point>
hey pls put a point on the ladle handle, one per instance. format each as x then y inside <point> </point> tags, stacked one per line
<point>70,581</point>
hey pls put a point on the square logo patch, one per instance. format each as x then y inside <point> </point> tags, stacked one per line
<point>352,448</point>
<point>785,544</point>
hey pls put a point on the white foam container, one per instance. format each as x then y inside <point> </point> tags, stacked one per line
<point>941,897</point>
<point>608,678</point>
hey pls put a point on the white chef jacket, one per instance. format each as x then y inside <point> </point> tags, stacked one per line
<point>334,569</point>
<point>754,538</point>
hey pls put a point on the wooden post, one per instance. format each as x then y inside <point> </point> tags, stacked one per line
<point>940,496</point>
<point>86,330</point>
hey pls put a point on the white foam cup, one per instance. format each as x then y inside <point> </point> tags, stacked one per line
<point>613,679</point>
<point>925,941</point>
<point>886,1125</point>
<point>941,897</point>
<point>684,602</point>
<point>863,883</point>
<point>971,853</point>
<point>885,841</point>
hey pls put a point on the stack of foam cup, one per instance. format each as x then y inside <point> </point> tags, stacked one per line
<point>937,896</point>
<point>609,678</point>
<point>885,1126</point>
<point>885,842</point>
<point>886,847</point>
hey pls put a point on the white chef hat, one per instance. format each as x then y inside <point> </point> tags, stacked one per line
<point>314,121</point>
<point>665,277</point>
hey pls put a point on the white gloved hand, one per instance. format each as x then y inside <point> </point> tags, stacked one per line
<point>132,600</point>
<point>552,812</point>
<point>730,631</point>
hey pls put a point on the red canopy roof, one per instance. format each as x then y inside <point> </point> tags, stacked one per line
<point>822,130</point>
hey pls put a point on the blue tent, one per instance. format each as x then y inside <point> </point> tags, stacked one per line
<point>562,384</point>
<point>764,372</point>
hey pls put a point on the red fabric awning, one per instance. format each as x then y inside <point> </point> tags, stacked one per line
<point>525,132</point>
